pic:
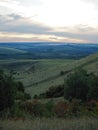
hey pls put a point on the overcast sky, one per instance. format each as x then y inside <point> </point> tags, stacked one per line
<point>49,20</point>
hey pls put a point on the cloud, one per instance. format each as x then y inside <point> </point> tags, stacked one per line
<point>25,2</point>
<point>94,2</point>
<point>15,16</point>
<point>29,2</point>
<point>17,24</point>
<point>82,32</point>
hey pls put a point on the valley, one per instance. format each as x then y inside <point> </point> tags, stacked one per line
<point>40,74</point>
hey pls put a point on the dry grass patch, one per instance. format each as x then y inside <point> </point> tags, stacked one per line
<point>50,124</point>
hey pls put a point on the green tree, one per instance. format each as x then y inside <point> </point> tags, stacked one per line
<point>20,86</point>
<point>6,91</point>
<point>76,85</point>
<point>93,87</point>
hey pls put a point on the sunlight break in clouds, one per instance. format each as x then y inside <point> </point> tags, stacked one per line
<point>49,20</point>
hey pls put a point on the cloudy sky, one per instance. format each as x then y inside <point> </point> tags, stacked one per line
<point>49,20</point>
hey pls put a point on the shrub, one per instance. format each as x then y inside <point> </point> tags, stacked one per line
<point>61,109</point>
<point>54,91</point>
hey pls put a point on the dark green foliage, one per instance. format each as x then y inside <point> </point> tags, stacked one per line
<point>76,85</point>
<point>27,96</point>
<point>6,91</point>
<point>57,91</point>
<point>35,96</point>
<point>20,86</point>
<point>93,87</point>
<point>81,85</point>
<point>49,108</point>
<point>10,91</point>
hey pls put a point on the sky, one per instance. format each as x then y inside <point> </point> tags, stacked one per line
<point>70,21</point>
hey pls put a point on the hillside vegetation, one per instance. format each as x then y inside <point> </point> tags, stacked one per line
<point>76,109</point>
<point>38,75</point>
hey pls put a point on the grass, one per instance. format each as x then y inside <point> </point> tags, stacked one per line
<point>50,124</point>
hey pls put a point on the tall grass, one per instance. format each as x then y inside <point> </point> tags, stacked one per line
<point>50,124</point>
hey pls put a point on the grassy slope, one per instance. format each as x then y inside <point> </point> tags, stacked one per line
<point>39,75</point>
<point>90,63</point>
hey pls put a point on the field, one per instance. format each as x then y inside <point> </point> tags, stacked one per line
<point>38,75</point>
<point>50,124</point>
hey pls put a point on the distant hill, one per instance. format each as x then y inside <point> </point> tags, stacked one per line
<point>46,50</point>
<point>8,50</point>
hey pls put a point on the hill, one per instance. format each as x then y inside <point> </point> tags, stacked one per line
<point>43,79</point>
<point>39,75</point>
<point>46,50</point>
<point>10,53</point>
<point>7,50</point>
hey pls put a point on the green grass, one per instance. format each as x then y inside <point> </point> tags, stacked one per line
<point>50,124</point>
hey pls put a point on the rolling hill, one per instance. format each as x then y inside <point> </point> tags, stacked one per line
<point>39,75</point>
<point>46,50</point>
<point>45,78</point>
<point>8,50</point>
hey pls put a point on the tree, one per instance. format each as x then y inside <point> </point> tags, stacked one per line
<point>76,85</point>
<point>6,91</point>
<point>93,87</point>
<point>20,86</point>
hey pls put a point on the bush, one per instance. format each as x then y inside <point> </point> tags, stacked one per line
<point>54,91</point>
<point>61,109</point>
